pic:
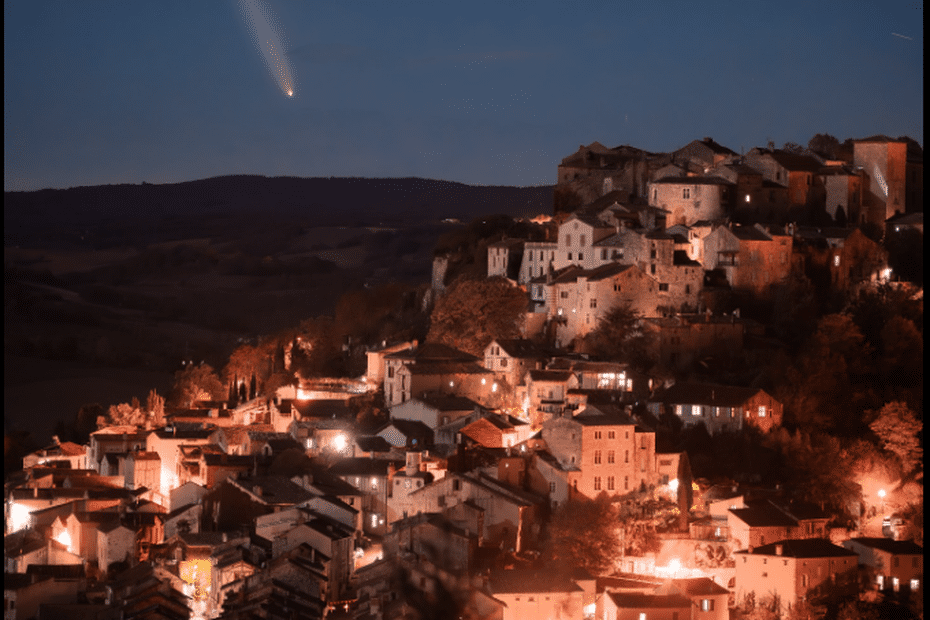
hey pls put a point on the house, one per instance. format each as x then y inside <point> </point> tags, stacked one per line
<point>496,431</point>
<point>546,392</point>
<point>374,375</point>
<point>115,543</point>
<point>709,601</point>
<point>442,359</point>
<point>636,606</point>
<point>511,359</point>
<point>689,199</point>
<point>59,452</point>
<point>505,258</point>
<point>434,410</point>
<point>538,260</point>
<point>528,593</point>
<point>498,513</point>
<point>706,153</point>
<point>113,440</point>
<point>595,170</point>
<point>792,570</point>
<point>142,470</point>
<point>166,441</point>
<point>721,408</point>
<point>843,189</point>
<point>757,524</point>
<point>797,171</point>
<point>549,477</point>
<point>896,565</point>
<point>578,298</point>
<point>373,477</point>
<point>408,434</point>
<point>611,453</point>
<point>751,257</point>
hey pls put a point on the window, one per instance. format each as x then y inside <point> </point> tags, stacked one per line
<point>626,456</point>
<point>652,254</point>
<point>915,585</point>
<point>597,483</point>
<point>597,457</point>
<point>626,483</point>
<point>610,456</point>
<point>652,269</point>
<point>552,487</point>
<point>456,484</point>
<point>593,303</point>
<point>663,286</point>
<point>569,256</point>
<point>503,362</point>
<point>686,192</point>
<point>707,604</point>
<point>604,254</point>
<point>563,294</point>
<point>597,434</point>
<point>580,256</point>
<point>611,434</point>
<point>761,411</point>
<point>695,410</point>
<point>687,289</point>
<point>642,615</point>
<point>390,372</point>
<point>610,483</point>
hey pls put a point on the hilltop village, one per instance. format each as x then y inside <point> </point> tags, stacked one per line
<point>693,391</point>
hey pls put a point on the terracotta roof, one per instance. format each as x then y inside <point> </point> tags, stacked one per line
<point>432,351</point>
<point>749,233</point>
<point>446,368</point>
<point>442,402</point>
<point>763,516</point>
<point>698,586</point>
<point>519,347</point>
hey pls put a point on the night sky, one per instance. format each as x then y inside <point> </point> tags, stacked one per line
<point>482,93</point>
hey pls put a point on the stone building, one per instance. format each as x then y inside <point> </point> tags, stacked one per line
<point>689,199</point>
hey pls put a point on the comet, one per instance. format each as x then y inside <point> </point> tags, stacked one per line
<point>268,37</point>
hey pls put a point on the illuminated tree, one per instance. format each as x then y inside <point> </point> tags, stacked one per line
<point>474,312</point>
<point>126,414</point>
<point>155,406</point>
<point>196,383</point>
<point>897,429</point>
<point>585,533</point>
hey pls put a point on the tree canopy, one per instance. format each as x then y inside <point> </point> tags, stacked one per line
<point>618,336</point>
<point>196,383</point>
<point>585,533</point>
<point>898,431</point>
<point>472,313</point>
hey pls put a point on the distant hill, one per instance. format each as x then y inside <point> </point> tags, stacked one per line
<point>149,212</point>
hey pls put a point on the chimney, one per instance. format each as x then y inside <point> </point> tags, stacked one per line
<point>778,549</point>
<point>413,464</point>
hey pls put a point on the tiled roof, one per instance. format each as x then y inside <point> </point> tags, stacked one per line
<point>410,428</point>
<point>550,375</point>
<point>519,347</point>
<point>700,180</point>
<point>529,581</point>
<point>275,489</point>
<point>796,161</point>
<point>635,600</point>
<point>442,402</point>
<point>749,233</point>
<point>373,444</point>
<point>698,586</point>
<point>897,547</point>
<point>806,548</point>
<point>432,351</point>
<point>447,368</point>
<point>707,394</point>
<point>763,516</point>
<point>362,466</point>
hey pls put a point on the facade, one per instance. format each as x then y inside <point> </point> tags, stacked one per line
<point>610,453</point>
<point>884,160</point>
<point>792,570</point>
<point>690,199</point>
<point>896,565</point>
<point>530,594</point>
<point>719,407</point>
<point>751,258</point>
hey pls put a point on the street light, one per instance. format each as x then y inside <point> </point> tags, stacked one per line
<point>881,495</point>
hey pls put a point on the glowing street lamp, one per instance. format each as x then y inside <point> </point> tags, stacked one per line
<point>881,495</point>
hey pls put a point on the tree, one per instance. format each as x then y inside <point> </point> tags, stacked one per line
<point>155,406</point>
<point>897,429</point>
<point>824,144</point>
<point>585,533</point>
<point>196,383</point>
<point>618,336</point>
<point>126,414</point>
<point>474,312</point>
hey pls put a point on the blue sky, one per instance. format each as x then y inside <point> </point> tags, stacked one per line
<point>483,93</point>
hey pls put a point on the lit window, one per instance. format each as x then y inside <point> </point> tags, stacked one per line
<point>836,260</point>
<point>707,604</point>
<point>761,411</point>
<point>747,197</point>
<point>915,585</point>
